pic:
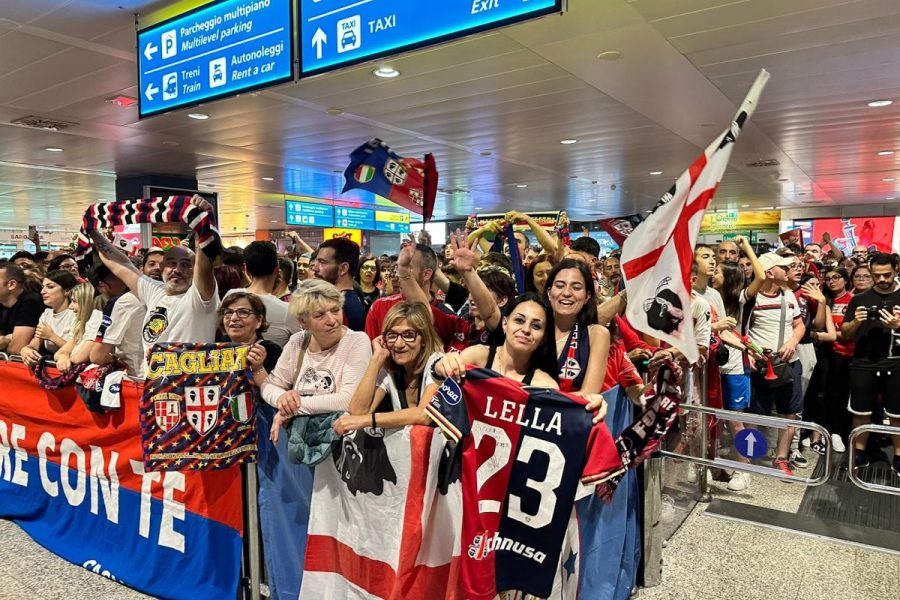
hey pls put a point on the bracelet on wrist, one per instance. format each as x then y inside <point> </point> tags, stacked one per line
<point>434,372</point>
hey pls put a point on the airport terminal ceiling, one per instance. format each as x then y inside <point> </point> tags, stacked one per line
<point>641,86</point>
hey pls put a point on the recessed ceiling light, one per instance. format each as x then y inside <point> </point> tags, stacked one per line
<point>610,55</point>
<point>890,198</point>
<point>887,179</point>
<point>745,206</point>
<point>334,111</point>
<point>656,172</point>
<point>650,210</point>
<point>885,152</point>
<point>273,221</point>
<point>53,149</point>
<point>521,185</point>
<point>267,178</point>
<point>479,208</point>
<point>567,141</point>
<point>386,72</point>
<point>198,116</point>
<point>880,103</point>
<point>768,208</point>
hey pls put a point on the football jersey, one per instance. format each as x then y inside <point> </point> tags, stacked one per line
<point>524,452</point>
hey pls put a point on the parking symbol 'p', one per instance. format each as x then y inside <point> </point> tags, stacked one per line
<point>169,44</point>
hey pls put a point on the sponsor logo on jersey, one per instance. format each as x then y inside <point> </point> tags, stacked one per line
<point>450,392</point>
<point>484,543</point>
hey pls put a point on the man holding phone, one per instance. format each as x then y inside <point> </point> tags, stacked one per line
<point>875,369</point>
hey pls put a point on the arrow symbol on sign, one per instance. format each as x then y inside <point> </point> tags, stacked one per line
<point>751,442</point>
<point>151,91</point>
<point>319,39</point>
<point>150,50</point>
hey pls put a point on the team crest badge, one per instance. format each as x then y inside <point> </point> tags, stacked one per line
<point>395,172</point>
<point>201,407</point>
<point>166,410</point>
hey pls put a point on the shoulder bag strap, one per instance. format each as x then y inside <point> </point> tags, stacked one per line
<point>304,344</point>
<point>781,321</point>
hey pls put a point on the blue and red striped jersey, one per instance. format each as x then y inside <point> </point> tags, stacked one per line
<point>525,450</point>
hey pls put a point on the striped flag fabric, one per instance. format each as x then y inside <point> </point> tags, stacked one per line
<point>656,262</point>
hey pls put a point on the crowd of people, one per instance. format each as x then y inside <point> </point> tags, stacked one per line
<point>333,329</point>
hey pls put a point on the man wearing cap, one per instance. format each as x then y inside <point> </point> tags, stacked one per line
<point>773,322</point>
<point>119,335</point>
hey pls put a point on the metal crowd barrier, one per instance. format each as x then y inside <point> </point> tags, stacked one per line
<point>752,419</point>
<point>851,449</point>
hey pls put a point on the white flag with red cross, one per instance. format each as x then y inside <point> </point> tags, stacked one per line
<point>656,259</point>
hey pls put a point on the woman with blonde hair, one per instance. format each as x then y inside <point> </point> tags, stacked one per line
<point>398,382</point>
<point>85,304</point>
<point>320,367</point>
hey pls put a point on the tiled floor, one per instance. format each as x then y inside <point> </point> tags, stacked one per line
<point>714,559</point>
<point>29,572</point>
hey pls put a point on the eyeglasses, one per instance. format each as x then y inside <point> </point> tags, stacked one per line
<point>409,335</point>
<point>833,278</point>
<point>242,313</point>
<point>368,268</point>
<point>795,267</point>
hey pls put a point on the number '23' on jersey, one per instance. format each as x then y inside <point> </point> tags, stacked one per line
<point>524,451</point>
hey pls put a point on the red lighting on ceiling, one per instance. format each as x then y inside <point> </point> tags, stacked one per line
<point>122,101</point>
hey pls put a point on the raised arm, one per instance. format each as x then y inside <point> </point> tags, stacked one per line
<point>300,242</point>
<point>409,286</point>
<point>204,280</point>
<point>116,261</point>
<point>478,235</point>
<point>759,273</point>
<point>543,237</point>
<point>464,260</point>
<point>834,250</point>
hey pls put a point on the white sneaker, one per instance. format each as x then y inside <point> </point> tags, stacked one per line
<point>805,442</point>
<point>739,482</point>
<point>837,443</point>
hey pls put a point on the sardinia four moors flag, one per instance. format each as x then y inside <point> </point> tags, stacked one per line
<point>656,262</point>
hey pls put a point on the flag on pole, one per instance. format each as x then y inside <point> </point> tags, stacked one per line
<point>409,182</point>
<point>620,228</point>
<point>656,263</point>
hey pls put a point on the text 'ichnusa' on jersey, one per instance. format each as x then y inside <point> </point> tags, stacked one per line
<point>524,452</point>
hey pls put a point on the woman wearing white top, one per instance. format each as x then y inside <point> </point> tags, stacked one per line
<point>54,327</point>
<point>84,331</point>
<point>321,367</point>
<point>398,382</point>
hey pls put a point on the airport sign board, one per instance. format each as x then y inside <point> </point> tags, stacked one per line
<point>339,33</point>
<point>309,214</point>
<point>214,51</point>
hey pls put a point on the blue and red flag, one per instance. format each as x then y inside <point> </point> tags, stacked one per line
<point>408,182</point>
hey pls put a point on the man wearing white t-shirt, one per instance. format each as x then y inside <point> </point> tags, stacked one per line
<point>766,327</point>
<point>180,308</point>
<point>261,266</point>
<point>119,333</point>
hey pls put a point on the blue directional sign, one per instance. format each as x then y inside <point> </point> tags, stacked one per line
<point>310,214</point>
<point>216,50</point>
<point>751,443</point>
<point>343,32</point>
<point>354,218</point>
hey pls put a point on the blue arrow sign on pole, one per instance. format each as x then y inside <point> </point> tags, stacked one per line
<point>751,443</point>
<point>344,32</point>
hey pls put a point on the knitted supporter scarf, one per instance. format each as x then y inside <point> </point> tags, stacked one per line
<point>518,271</point>
<point>165,209</point>
<point>50,383</point>
<point>641,439</point>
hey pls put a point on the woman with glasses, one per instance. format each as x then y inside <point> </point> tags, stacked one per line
<point>322,366</point>
<point>368,277</point>
<point>838,353</point>
<point>399,380</point>
<point>861,278</point>
<point>243,321</point>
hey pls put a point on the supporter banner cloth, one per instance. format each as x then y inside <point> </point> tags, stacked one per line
<point>408,182</point>
<point>197,411</point>
<point>656,263</point>
<point>75,482</point>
